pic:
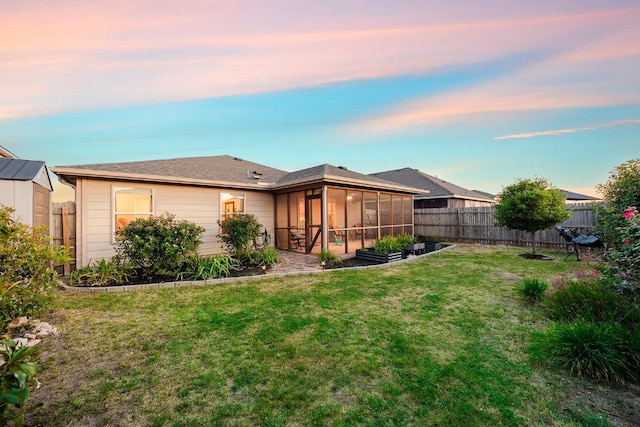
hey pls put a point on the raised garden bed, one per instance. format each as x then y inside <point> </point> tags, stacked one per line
<point>377,257</point>
<point>432,246</point>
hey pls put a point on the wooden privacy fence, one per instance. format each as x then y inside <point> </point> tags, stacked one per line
<point>63,228</point>
<point>477,225</point>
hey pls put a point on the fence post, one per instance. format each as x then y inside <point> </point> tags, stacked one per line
<point>65,237</point>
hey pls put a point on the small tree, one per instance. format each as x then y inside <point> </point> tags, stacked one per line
<point>530,205</point>
<point>159,246</point>
<point>238,233</point>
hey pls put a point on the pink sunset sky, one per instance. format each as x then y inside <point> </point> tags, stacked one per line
<point>479,93</point>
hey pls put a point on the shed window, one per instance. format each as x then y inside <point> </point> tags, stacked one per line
<point>131,203</point>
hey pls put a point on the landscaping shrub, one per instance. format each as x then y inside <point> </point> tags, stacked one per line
<point>329,257</point>
<point>267,257</point>
<point>239,233</point>
<point>27,274</point>
<point>621,190</point>
<point>16,374</point>
<point>209,267</point>
<point>589,350</point>
<point>390,244</point>
<point>159,246</point>
<point>532,289</point>
<point>103,273</point>
<point>590,299</point>
<point>624,255</point>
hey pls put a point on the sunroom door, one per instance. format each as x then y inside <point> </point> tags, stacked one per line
<point>314,223</point>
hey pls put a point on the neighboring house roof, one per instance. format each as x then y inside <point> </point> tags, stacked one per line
<point>485,194</point>
<point>432,186</point>
<point>6,153</point>
<point>223,171</point>
<point>25,170</point>
<point>570,195</point>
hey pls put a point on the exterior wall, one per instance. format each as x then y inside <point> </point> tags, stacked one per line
<point>19,196</point>
<point>41,206</point>
<point>201,205</point>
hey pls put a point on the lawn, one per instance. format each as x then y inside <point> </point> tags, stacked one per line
<point>439,341</point>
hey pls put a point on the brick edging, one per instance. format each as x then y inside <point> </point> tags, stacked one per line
<point>180,284</point>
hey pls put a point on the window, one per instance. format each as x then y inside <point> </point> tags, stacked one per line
<point>131,203</point>
<point>231,203</point>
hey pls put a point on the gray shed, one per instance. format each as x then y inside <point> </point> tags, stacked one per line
<point>25,186</point>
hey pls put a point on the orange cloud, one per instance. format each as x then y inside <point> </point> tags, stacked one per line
<point>82,55</point>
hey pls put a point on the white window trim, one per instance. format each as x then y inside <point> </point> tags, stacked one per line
<point>115,188</point>
<point>221,206</point>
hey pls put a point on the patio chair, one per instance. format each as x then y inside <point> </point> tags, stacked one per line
<point>298,241</point>
<point>575,240</point>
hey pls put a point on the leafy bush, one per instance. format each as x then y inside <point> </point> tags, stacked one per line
<point>532,289</point>
<point>267,257</point>
<point>389,244</point>
<point>27,274</point>
<point>589,350</point>
<point>16,373</point>
<point>239,233</point>
<point>209,267</point>
<point>590,299</point>
<point>329,257</point>
<point>530,205</point>
<point>624,255</point>
<point>103,273</point>
<point>621,190</point>
<point>158,247</point>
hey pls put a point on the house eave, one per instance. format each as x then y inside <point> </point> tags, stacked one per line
<point>337,180</point>
<point>71,174</point>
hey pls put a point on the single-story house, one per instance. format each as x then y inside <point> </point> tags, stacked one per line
<point>322,207</point>
<point>25,186</point>
<point>573,197</point>
<point>436,192</point>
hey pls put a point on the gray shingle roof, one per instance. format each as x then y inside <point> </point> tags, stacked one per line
<point>570,195</point>
<point>437,187</point>
<point>19,170</point>
<point>329,173</point>
<point>224,170</point>
<point>212,169</point>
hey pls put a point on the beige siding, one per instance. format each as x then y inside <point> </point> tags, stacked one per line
<point>197,204</point>
<point>19,196</point>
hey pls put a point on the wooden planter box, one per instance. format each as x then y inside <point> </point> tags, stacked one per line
<point>374,256</point>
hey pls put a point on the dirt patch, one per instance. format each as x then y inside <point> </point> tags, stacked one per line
<point>620,404</point>
<point>540,257</point>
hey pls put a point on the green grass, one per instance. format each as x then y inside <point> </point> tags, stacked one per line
<point>439,341</point>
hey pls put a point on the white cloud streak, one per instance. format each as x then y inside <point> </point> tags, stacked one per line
<point>556,132</point>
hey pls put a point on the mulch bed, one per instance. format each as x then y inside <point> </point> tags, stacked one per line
<point>351,262</point>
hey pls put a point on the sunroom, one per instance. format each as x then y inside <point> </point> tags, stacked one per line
<point>332,208</point>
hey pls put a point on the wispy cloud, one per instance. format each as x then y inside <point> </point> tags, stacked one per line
<point>89,57</point>
<point>556,132</point>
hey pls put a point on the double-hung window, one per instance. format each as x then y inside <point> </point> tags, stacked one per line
<point>130,203</point>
